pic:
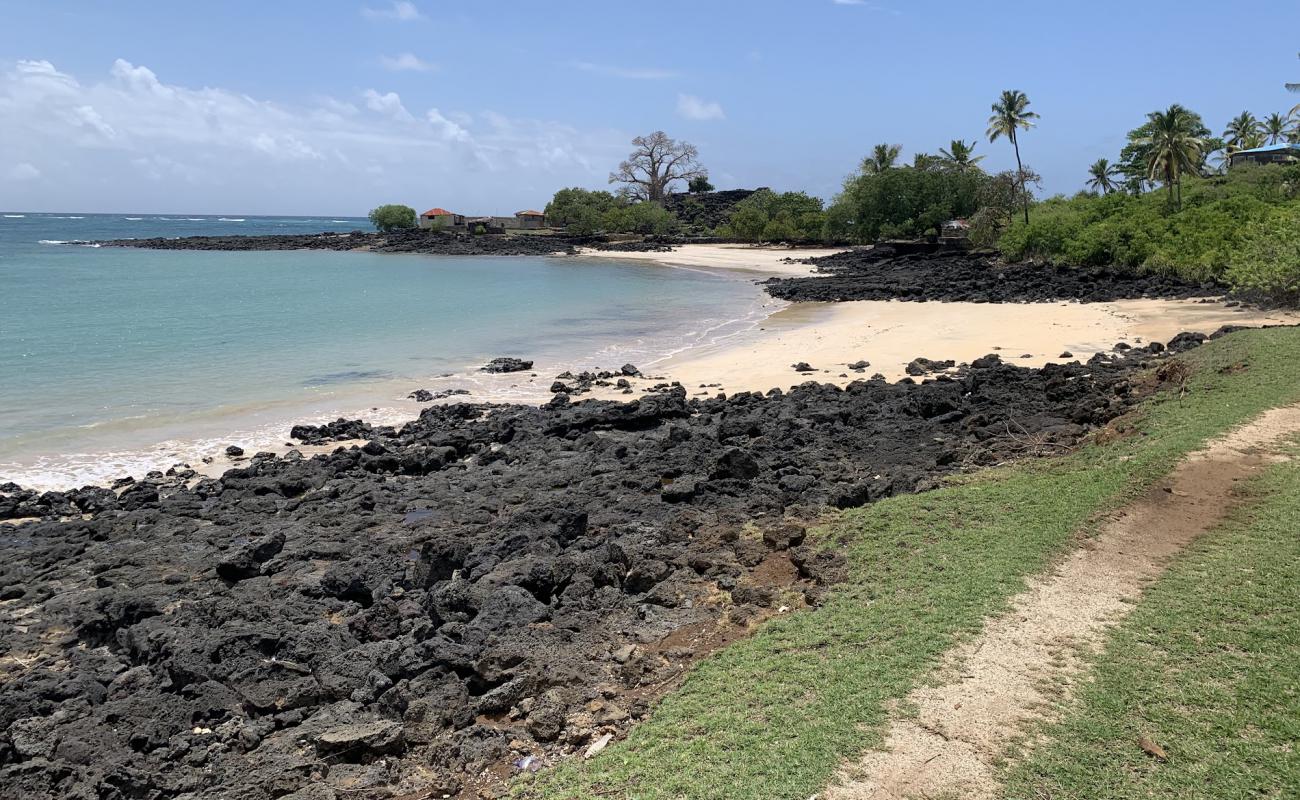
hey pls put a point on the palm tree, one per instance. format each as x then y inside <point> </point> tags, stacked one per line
<point>883,157</point>
<point>1174,149</point>
<point>1103,175</point>
<point>1240,129</point>
<point>961,155</point>
<point>1275,127</point>
<point>1011,114</point>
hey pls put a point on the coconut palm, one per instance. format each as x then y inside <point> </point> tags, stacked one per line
<point>961,155</point>
<point>1011,114</point>
<point>1174,149</point>
<point>1241,129</point>
<point>1102,176</point>
<point>883,157</point>
<point>1275,127</point>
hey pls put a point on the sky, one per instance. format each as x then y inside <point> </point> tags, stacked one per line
<point>489,106</point>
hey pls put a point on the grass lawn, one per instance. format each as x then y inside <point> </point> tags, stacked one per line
<point>775,715</point>
<point>1207,667</point>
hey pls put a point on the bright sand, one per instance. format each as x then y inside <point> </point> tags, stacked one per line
<point>749,258</point>
<point>829,336</point>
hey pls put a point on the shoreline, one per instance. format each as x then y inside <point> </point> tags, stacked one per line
<point>753,352</point>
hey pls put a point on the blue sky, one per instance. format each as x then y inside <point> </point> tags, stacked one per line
<point>491,105</point>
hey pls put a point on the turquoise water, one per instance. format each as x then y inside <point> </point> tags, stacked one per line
<point>114,361</point>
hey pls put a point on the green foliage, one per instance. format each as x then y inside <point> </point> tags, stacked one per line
<point>766,216</point>
<point>1135,158</point>
<point>1268,261</point>
<point>1232,227</point>
<point>699,184</point>
<point>391,217</point>
<point>644,217</point>
<point>903,201</point>
<point>579,211</point>
<point>583,212</point>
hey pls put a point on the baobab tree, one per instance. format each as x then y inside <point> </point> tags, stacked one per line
<point>655,164</point>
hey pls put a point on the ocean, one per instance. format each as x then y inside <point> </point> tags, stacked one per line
<point>117,361</point>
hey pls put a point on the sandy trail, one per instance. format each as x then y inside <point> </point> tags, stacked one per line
<point>1027,661</point>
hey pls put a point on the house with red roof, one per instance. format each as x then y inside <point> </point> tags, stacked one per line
<point>441,218</point>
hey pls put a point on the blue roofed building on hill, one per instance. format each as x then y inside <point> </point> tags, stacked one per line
<point>1272,154</point>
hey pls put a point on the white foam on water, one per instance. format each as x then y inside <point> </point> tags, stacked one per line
<point>230,219</point>
<point>133,219</point>
<point>15,216</point>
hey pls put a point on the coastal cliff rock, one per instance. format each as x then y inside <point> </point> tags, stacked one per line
<point>487,585</point>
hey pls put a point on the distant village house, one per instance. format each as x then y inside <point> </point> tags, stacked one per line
<point>1273,154</point>
<point>446,220</point>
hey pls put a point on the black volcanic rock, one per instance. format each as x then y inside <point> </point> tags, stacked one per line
<point>397,614</point>
<point>507,364</point>
<point>880,274</point>
<point>401,241</point>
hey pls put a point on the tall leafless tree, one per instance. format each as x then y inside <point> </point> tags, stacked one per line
<point>656,162</point>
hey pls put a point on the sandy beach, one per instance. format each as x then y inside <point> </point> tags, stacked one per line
<point>768,261</point>
<point>888,335</point>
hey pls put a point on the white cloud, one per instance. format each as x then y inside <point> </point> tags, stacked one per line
<point>128,138</point>
<point>449,130</point>
<point>24,172</point>
<point>407,62</point>
<point>402,11</point>
<point>632,73</point>
<point>389,104</point>
<point>87,116</point>
<point>285,147</point>
<point>692,107</point>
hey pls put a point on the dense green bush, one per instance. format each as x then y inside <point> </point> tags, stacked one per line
<point>1214,236</point>
<point>1268,261</point>
<point>903,201</point>
<point>766,216</point>
<point>583,212</point>
<point>391,217</point>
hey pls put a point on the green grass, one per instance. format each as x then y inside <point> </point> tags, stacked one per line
<point>1207,666</point>
<point>775,715</point>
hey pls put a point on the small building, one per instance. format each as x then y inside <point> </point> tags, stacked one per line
<point>530,220</point>
<point>1272,154</point>
<point>441,218</point>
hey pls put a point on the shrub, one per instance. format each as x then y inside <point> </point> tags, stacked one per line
<point>391,217</point>
<point>904,201</point>
<point>1268,260</point>
<point>766,216</point>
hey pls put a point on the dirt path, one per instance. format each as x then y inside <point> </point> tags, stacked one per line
<point>1024,663</point>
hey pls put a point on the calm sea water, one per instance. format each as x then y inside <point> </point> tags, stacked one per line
<point>115,361</point>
